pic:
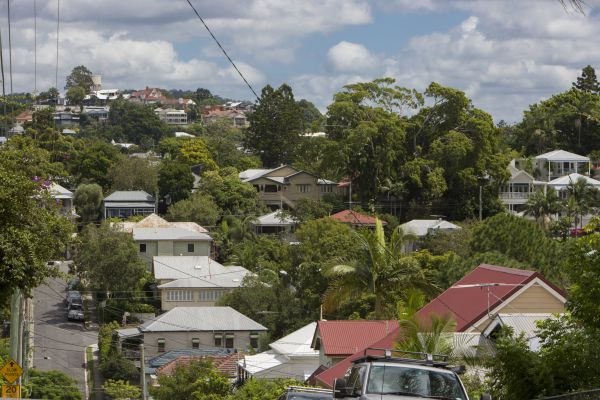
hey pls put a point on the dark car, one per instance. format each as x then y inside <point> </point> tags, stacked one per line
<point>72,294</point>
<point>306,393</point>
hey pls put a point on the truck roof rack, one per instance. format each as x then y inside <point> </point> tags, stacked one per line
<point>411,357</point>
<point>307,389</point>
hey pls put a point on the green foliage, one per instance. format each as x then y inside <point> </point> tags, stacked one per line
<point>195,152</point>
<point>109,259</point>
<point>52,385</point>
<point>224,142</point>
<point>275,127</point>
<point>233,196</point>
<point>584,256</point>
<point>175,180</point>
<point>76,95</point>
<point>134,123</point>
<point>117,367</point>
<point>80,77</point>
<point>93,163</point>
<point>121,390</point>
<point>255,389</point>
<point>521,240</point>
<point>131,173</point>
<point>307,209</point>
<point>196,380</point>
<point>311,116</point>
<point>88,202</point>
<point>541,205</point>
<point>106,340</point>
<point>199,208</point>
<point>587,81</point>
<point>31,229</point>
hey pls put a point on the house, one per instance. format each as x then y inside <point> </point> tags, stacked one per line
<point>226,364</point>
<point>274,223</point>
<point>545,170</point>
<point>356,219</point>
<point>25,116</point>
<point>212,114</point>
<point>424,227</point>
<point>476,299</point>
<point>171,116</point>
<point>191,281</point>
<point>280,187</point>
<point>65,118</point>
<point>521,324</point>
<point>124,204</point>
<point>349,339</point>
<point>290,357</point>
<point>147,96</point>
<point>561,184</point>
<point>336,340</point>
<point>170,241</point>
<point>99,113</point>
<point>64,199</point>
<point>196,328</point>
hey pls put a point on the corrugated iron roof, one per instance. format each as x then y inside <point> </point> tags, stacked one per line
<point>355,218</point>
<point>341,338</point>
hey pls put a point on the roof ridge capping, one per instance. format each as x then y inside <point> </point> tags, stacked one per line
<point>508,270</point>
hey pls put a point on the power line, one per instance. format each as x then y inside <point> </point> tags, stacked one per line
<point>57,37</point>
<point>9,48</point>
<point>35,47</point>
<point>224,52</point>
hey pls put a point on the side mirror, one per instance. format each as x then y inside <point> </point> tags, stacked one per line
<point>459,369</point>
<point>339,388</point>
<point>485,396</point>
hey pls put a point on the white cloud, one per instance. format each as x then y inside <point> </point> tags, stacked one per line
<point>350,57</point>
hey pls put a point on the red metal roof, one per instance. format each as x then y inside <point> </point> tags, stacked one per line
<point>225,364</point>
<point>469,304</point>
<point>327,377</point>
<point>355,218</point>
<point>342,338</point>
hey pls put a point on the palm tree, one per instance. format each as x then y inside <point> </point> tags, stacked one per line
<point>540,205</point>
<point>583,195</point>
<point>432,335</point>
<point>382,268</point>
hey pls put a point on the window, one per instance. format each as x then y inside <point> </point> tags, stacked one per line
<point>180,295</point>
<point>229,340</point>
<point>326,189</point>
<point>254,340</point>
<point>303,188</point>
<point>218,340</point>
<point>356,379</point>
<point>190,247</point>
<point>142,247</point>
<point>161,345</point>
<point>271,188</point>
<point>195,343</point>
<point>210,295</point>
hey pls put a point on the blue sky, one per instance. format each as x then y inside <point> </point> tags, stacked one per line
<point>505,54</point>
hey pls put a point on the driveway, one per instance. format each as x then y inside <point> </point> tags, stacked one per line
<point>58,343</point>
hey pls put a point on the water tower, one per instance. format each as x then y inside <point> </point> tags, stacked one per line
<point>97,82</point>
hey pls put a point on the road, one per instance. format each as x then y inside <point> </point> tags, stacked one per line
<point>58,343</point>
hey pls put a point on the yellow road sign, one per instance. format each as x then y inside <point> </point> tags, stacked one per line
<point>11,391</point>
<point>11,371</point>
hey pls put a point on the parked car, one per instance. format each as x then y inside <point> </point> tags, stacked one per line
<point>72,284</point>
<point>387,377</point>
<point>75,312</point>
<point>306,393</point>
<point>72,294</point>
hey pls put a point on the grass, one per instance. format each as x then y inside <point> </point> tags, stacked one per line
<point>89,356</point>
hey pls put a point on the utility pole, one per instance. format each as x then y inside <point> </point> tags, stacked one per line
<point>480,203</point>
<point>15,325</point>
<point>143,373</point>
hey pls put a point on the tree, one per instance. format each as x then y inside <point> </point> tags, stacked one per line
<point>311,116</point>
<point>224,142</point>
<point>582,194</point>
<point>175,180</point>
<point>121,390</point>
<point>232,195</point>
<point>587,81</point>
<point>381,270</point>
<point>541,205</point>
<point>254,389</point>
<point>199,208</point>
<point>53,385</point>
<point>80,76</point>
<point>131,173</point>
<point>93,163</point>
<point>307,209</point>
<point>31,229</point>
<point>521,240</point>
<point>275,127</point>
<point>196,380</point>
<point>76,95</point>
<point>194,152</point>
<point>109,259</point>
<point>88,202</point>
<point>135,123</point>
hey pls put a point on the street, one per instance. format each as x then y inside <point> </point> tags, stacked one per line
<point>58,343</point>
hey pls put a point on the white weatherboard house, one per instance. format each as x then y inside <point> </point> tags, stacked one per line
<point>289,357</point>
<point>274,223</point>
<point>196,327</point>
<point>185,281</point>
<point>123,204</point>
<point>554,169</point>
<point>170,241</point>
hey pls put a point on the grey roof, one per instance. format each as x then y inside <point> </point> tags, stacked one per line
<point>195,319</point>
<point>564,181</point>
<point>59,192</point>
<point>130,196</point>
<point>128,332</point>
<point>562,155</point>
<point>156,233</point>
<point>197,272</point>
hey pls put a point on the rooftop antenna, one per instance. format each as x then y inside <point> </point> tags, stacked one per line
<point>487,286</point>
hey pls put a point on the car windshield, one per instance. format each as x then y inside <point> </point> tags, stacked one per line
<point>390,379</point>
<point>76,307</point>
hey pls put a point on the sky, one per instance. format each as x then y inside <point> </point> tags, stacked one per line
<point>504,54</point>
